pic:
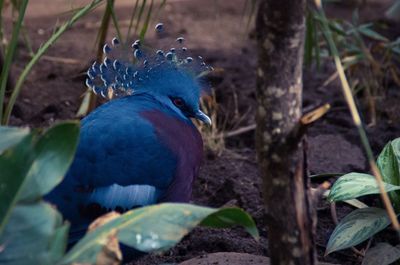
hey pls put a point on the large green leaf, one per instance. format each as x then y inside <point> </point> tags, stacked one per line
<point>354,185</point>
<point>30,170</point>
<point>28,236</point>
<point>381,254</point>
<point>10,136</point>
<point>396,147</point>
<point>54,152</point>
<point>388,164</point>
<point>157,228</point>
<point>14,165</point>
<point>357,227</point>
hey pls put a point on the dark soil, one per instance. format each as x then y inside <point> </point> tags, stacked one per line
<point>216,30</point>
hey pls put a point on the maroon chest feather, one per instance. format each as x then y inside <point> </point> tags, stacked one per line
<point>184,140</point>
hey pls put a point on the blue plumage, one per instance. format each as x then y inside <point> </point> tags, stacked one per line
<point>141,148</point>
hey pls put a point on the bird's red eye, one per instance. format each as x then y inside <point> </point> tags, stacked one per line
<point>178,102</point>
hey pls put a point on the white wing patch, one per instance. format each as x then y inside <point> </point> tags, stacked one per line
<point>124,196</point>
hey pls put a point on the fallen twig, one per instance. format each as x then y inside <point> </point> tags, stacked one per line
<point>236,132</point>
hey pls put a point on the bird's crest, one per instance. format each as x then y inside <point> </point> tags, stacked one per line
<point>126,70</point>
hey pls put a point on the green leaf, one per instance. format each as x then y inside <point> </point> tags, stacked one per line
<point>396,50</point>
<point>227,217</point>
<point>388,164</point>
<point>14,166</point>
<point>28,236</point>
<point>157,228</point>
<point>368,32</point>
<point>336,27</point>
<point>354,185</point>
<point>393,13</point>
<point>54,152</point>
<point>11,136</point>
<point>381,254</point>
<point>357,227</point>
<point>396,149</point>
<point>356,203</point>
<point>59,242</point>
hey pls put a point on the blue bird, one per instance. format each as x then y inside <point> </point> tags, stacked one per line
<point>140,148</point>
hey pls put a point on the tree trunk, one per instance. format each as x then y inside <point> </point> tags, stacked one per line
<point>291,218</point>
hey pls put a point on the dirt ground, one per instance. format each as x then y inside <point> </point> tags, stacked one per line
<point>217,31</point>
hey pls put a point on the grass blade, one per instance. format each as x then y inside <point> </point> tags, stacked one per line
<point>143,5</point>
<point>309,39</point>
<point>146,22</point>
<point>89,99</point>
<point>160,7</point>
<point>110,3</point>
<point>10,54</point>
<point>128,34</point>
<point>83,11</point>
<point>1,25</point>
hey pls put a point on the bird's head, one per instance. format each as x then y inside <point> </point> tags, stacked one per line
<point>172,77</point>
<point>178,89</point>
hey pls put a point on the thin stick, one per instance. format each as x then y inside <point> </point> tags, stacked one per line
<point>239,131</point>
<point>57,59</point>
<point>101,40</point>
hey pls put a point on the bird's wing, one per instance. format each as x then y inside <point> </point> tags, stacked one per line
<point>119,146</point>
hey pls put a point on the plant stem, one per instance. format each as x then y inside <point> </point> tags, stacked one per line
<point>102,35</point>
<point>141,10</point>
<point>10,54</point>
<point>110,3</point>
<point>83,11</point>
<point>128,35</point>
<point>1,25</point>
<point>357,120</point>
<point>146,22</point>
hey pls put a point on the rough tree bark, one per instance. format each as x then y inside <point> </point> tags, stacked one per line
<point>280,34</point>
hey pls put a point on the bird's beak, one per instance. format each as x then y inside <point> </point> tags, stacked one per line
<point>201,116</point>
